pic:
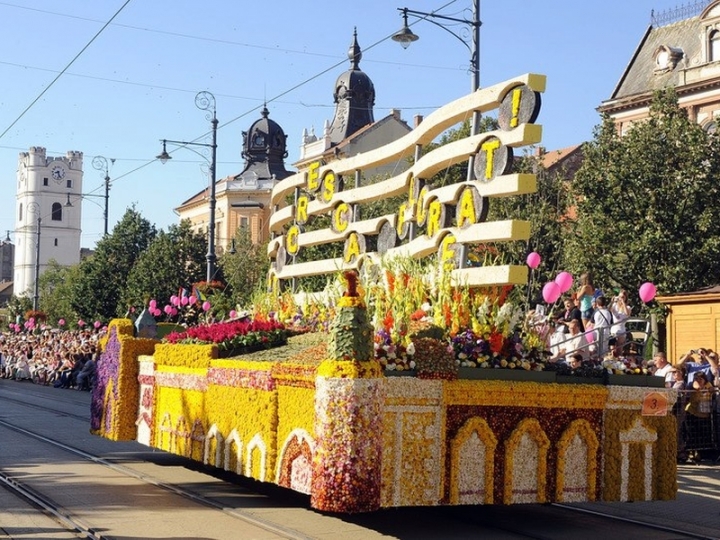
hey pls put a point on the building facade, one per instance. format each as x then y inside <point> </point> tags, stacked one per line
<point>680,49</point>
<point>45,228</point>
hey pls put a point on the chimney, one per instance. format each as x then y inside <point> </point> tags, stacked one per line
<point>540,151</point>
<point>395,113</point>
<point>417,120</point>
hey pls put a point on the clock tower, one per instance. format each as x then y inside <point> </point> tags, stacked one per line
<point>43,186</point>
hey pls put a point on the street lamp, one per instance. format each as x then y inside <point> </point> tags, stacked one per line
<point>100,163</point>
<point>406,36</point>
<point>204,101</point>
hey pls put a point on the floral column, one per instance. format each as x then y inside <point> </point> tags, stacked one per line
<point>348,414</point>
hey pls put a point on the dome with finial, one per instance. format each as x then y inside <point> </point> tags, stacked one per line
<point>264,150</point>
<point>354,98</point>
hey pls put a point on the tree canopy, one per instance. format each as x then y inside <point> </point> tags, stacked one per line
<point>646,203</point>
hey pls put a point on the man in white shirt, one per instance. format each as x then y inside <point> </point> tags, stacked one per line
<point>602,321</point>
<point>663,368</point>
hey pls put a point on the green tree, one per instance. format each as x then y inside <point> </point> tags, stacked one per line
<point>245,270</point>
<point>645,203</point>
<point>56,288</point>
<point>174,259</point>
<point>97,293</point>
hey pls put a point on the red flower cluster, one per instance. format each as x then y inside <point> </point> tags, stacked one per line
<point>223,332</point>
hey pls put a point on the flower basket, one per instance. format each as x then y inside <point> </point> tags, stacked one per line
<point>636,380</point>
<point>506,374</point>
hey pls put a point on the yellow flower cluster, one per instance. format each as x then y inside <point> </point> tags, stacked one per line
<point>350,369</point>
<point>525,394</point>
<point>195,356</point>
<point>350,301</point>
<point>124,327</point>
<point>126,388</point>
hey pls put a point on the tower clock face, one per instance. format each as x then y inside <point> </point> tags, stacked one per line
<point>58,173</point>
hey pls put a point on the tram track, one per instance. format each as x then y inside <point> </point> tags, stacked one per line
<point>48,505</point>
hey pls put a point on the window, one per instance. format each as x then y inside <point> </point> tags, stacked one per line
<point>57,212</point>
<point>69,183</point>
<point>244,222</point>
<point>20,212</point>
<point>45,181</point>
<point>714,46</point>
<point>56,242</point>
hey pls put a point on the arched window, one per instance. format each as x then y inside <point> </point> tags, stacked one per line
<point>20,212</point>
<point>57,211</point>
<point>714,46</point>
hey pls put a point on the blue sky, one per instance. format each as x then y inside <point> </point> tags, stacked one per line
<point>136,82</point>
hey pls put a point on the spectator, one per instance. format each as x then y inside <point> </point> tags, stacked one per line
<point>620,311</point>
<point>572,313</point>
<point>662,368</point>
<point>698,420</point>
<point>575,342</point>
<point>602,322</point>
<point>707,364</point>
<point>585,297</point>
<point>86,375</point>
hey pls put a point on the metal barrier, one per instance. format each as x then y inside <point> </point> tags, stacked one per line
<point>697,415</point>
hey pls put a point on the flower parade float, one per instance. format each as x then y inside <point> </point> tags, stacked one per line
<point>331,420</point>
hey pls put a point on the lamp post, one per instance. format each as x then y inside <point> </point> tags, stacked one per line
<point>406,36</point>
<point>100,163</point>
<point>204,101</point>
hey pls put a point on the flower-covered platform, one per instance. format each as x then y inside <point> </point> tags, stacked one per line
<point>355,440</point>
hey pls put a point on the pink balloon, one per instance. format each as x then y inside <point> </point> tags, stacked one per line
<point>173,312</point>
<point>551,292</point>
<point>564,281</point>
<point>647,292</point>
<point>97,324</point>
<point>233,313</point>
<point>184,300</point>
<point>61,322</point>
<point>174,300</point>
<point>533,260</point>
<point>81,323</point>
<point>206,306</point>
<point>192,300</point>
<point>167,310</point>
<point>153,304</point>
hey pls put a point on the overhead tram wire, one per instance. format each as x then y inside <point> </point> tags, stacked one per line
<point>64,69</point>
<point>271,100</point>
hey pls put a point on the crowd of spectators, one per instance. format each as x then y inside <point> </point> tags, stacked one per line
<point>64,359</point>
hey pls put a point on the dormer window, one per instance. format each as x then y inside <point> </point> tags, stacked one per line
<point>259,140</point>
<point>714,46</point>
<point>666,58</point>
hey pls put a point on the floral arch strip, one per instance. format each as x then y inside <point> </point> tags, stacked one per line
<point>526,464</point>
<point>295,462</point>
<point>233,441</point>
<point>215,435</point>
<point>472,455</point>
<point>577,463</point>
<point>256,443</point>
